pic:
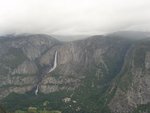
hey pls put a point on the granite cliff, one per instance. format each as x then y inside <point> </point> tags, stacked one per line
<point>100,74</point>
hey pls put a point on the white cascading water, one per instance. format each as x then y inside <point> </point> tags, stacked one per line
<point>55,63</point>
<point>51,69</point>
<point>37,89</point>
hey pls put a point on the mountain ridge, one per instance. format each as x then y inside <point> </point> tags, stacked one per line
<point>90,71</point>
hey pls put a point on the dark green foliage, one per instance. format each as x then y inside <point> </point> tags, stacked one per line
<point>29,99</point>
<point>2,110</point>
<point>142,108</point>
<point>90,99</point>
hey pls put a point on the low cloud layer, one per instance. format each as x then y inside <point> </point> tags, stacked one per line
<point>73,17</point>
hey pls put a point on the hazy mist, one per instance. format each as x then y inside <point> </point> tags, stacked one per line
<point>73,17</point>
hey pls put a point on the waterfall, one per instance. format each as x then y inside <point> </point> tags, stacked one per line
<point>51,69</point>
<point>55,63</point>
<point>37,89</point>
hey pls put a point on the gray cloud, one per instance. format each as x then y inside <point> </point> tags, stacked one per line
<point>71,17</point>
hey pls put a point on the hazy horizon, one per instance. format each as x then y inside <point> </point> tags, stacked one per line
<point>73,17</point>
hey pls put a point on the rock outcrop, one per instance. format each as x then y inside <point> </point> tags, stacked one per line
<point>103,73</point>
<point>133,88</point>
<point>18,66</point>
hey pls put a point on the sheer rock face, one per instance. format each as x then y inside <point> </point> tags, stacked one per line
<point>29,57</point>
<point>18,66</point>
<point>33,46</point>
<point>27,67</point>
<point>76,58</point>
<point>25,61</point>
<point>134,87</point>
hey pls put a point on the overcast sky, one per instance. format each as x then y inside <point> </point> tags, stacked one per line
<point>73,17</point>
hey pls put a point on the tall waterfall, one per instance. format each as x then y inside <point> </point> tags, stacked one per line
<point>51,69</point>
<point>37,89</point>
<point>55,63</point>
